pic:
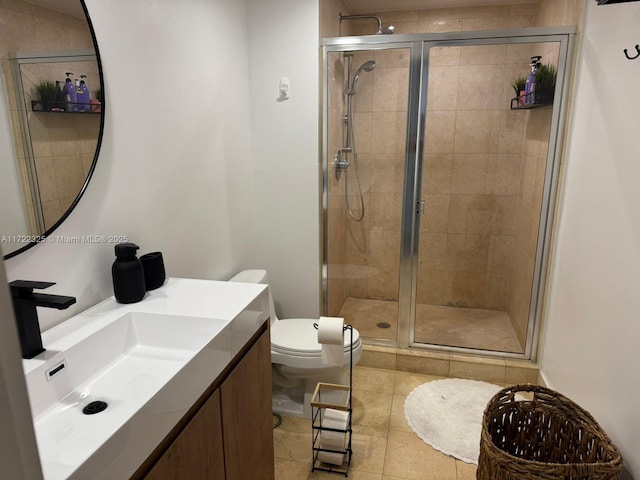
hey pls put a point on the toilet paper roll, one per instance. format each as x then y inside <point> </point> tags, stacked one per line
<point>335,419</point>
<point>331,337</point>
<point>330,457</point>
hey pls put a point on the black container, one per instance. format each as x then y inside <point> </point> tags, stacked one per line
<point>128,274</point>
<point>154,274</point>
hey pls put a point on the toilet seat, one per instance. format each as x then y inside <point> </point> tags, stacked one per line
<point>294,342</point>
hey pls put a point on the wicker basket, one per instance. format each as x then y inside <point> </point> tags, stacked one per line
<point>547,438</point>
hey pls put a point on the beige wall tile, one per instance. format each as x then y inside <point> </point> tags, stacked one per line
<point>436,213</point>
<point>403,27</point>
<point>389,132</point>
<point>387,173</point>
<point>378,359</point>
<point>483,55</point>
<point>432,251</point>
<point>477,131</point>
<point>512,130</point>
<point>486,370</point>
<point>443,88</point>
<point>424,365</point>
<point>504,215</point>
<point>393,57</point>
<point>440,25</point>
<point>443,56</point>
<point>473,174</point>
<point>464,289</point>
<point>517,372</point>
<point>486,23</point>
<point>440,13</point>
<point>436,173</point>
<point>46,179</point>
<point>467,253</point>
<point>430,286</point>
<point>469,213</point>
<point>500,254</point>
<point>487,11</point>
<point>480,87</point>
<point>440,131</point>
<point>507,174</point>
<point>496,292</point>
<point>390,90</point>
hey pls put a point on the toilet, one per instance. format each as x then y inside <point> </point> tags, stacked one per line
<point>296,356</point>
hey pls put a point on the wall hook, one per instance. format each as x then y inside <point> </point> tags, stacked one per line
<point>633,58</point>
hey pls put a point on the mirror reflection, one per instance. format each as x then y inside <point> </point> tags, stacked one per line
<point>50,116</point>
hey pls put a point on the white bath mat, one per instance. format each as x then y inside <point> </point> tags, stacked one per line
<point>447,414</point>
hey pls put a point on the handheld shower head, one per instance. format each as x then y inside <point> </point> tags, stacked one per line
<point>365,67</point>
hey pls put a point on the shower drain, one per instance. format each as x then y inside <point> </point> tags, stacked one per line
<point>383,325</point>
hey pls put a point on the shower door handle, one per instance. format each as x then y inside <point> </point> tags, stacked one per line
<point>420,204</point>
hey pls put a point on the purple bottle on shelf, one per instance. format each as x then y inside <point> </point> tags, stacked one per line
<point>83,95</point>
<point>530,85</point>
<point>70,95</point>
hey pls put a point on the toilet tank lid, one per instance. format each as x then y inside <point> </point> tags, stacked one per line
<point>250,276</point>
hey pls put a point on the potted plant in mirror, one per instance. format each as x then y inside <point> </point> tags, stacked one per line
<point>48,93</point>
<point>518,87</point>
<point>545,84</point>
<point>96,101</point>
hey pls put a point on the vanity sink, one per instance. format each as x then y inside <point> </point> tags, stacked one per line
<point>120,380</point>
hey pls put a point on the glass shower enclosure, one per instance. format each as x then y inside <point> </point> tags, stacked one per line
<point>439,181</point>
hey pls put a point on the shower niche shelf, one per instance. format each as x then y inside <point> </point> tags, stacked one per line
<point>519,102</point>
<point>59,107</point>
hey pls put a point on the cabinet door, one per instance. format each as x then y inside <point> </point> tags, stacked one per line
<point>197,453</point>
<point>246,416</point>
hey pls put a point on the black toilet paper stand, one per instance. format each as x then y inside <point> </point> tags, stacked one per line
<point>340,398</point>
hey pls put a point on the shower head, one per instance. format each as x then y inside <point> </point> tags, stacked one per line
<point>365,67</point>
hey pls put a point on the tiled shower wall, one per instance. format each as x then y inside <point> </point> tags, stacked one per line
<point>64,145</point>
<point>549,13</point>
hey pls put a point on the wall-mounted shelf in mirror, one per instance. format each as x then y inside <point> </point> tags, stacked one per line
<point>65,107</point>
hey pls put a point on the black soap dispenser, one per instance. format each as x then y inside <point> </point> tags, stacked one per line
<point>128,274</point>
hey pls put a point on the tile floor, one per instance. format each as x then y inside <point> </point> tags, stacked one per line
<point>436,325</point>
<point>384,446</point>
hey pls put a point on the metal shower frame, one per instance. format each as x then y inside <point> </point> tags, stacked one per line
<point>419,45</point>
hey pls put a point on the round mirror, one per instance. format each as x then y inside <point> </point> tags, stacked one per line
<point>51,116</point>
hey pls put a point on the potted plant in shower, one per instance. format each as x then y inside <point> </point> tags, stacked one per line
<point>518,87</point>
<point>48,94</point>
<point>545,84</point>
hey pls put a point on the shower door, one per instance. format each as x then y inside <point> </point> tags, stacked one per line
<point>459,182</point>
<point>367,93</point>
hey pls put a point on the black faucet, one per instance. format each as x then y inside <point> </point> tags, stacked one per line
<point>24,307</point>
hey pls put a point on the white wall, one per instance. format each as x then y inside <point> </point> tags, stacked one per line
<point>283,41</point>
<point>175,171</point>
<point>591,349</point>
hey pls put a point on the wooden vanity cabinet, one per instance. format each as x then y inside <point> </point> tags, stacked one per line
<point>229,434</point>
